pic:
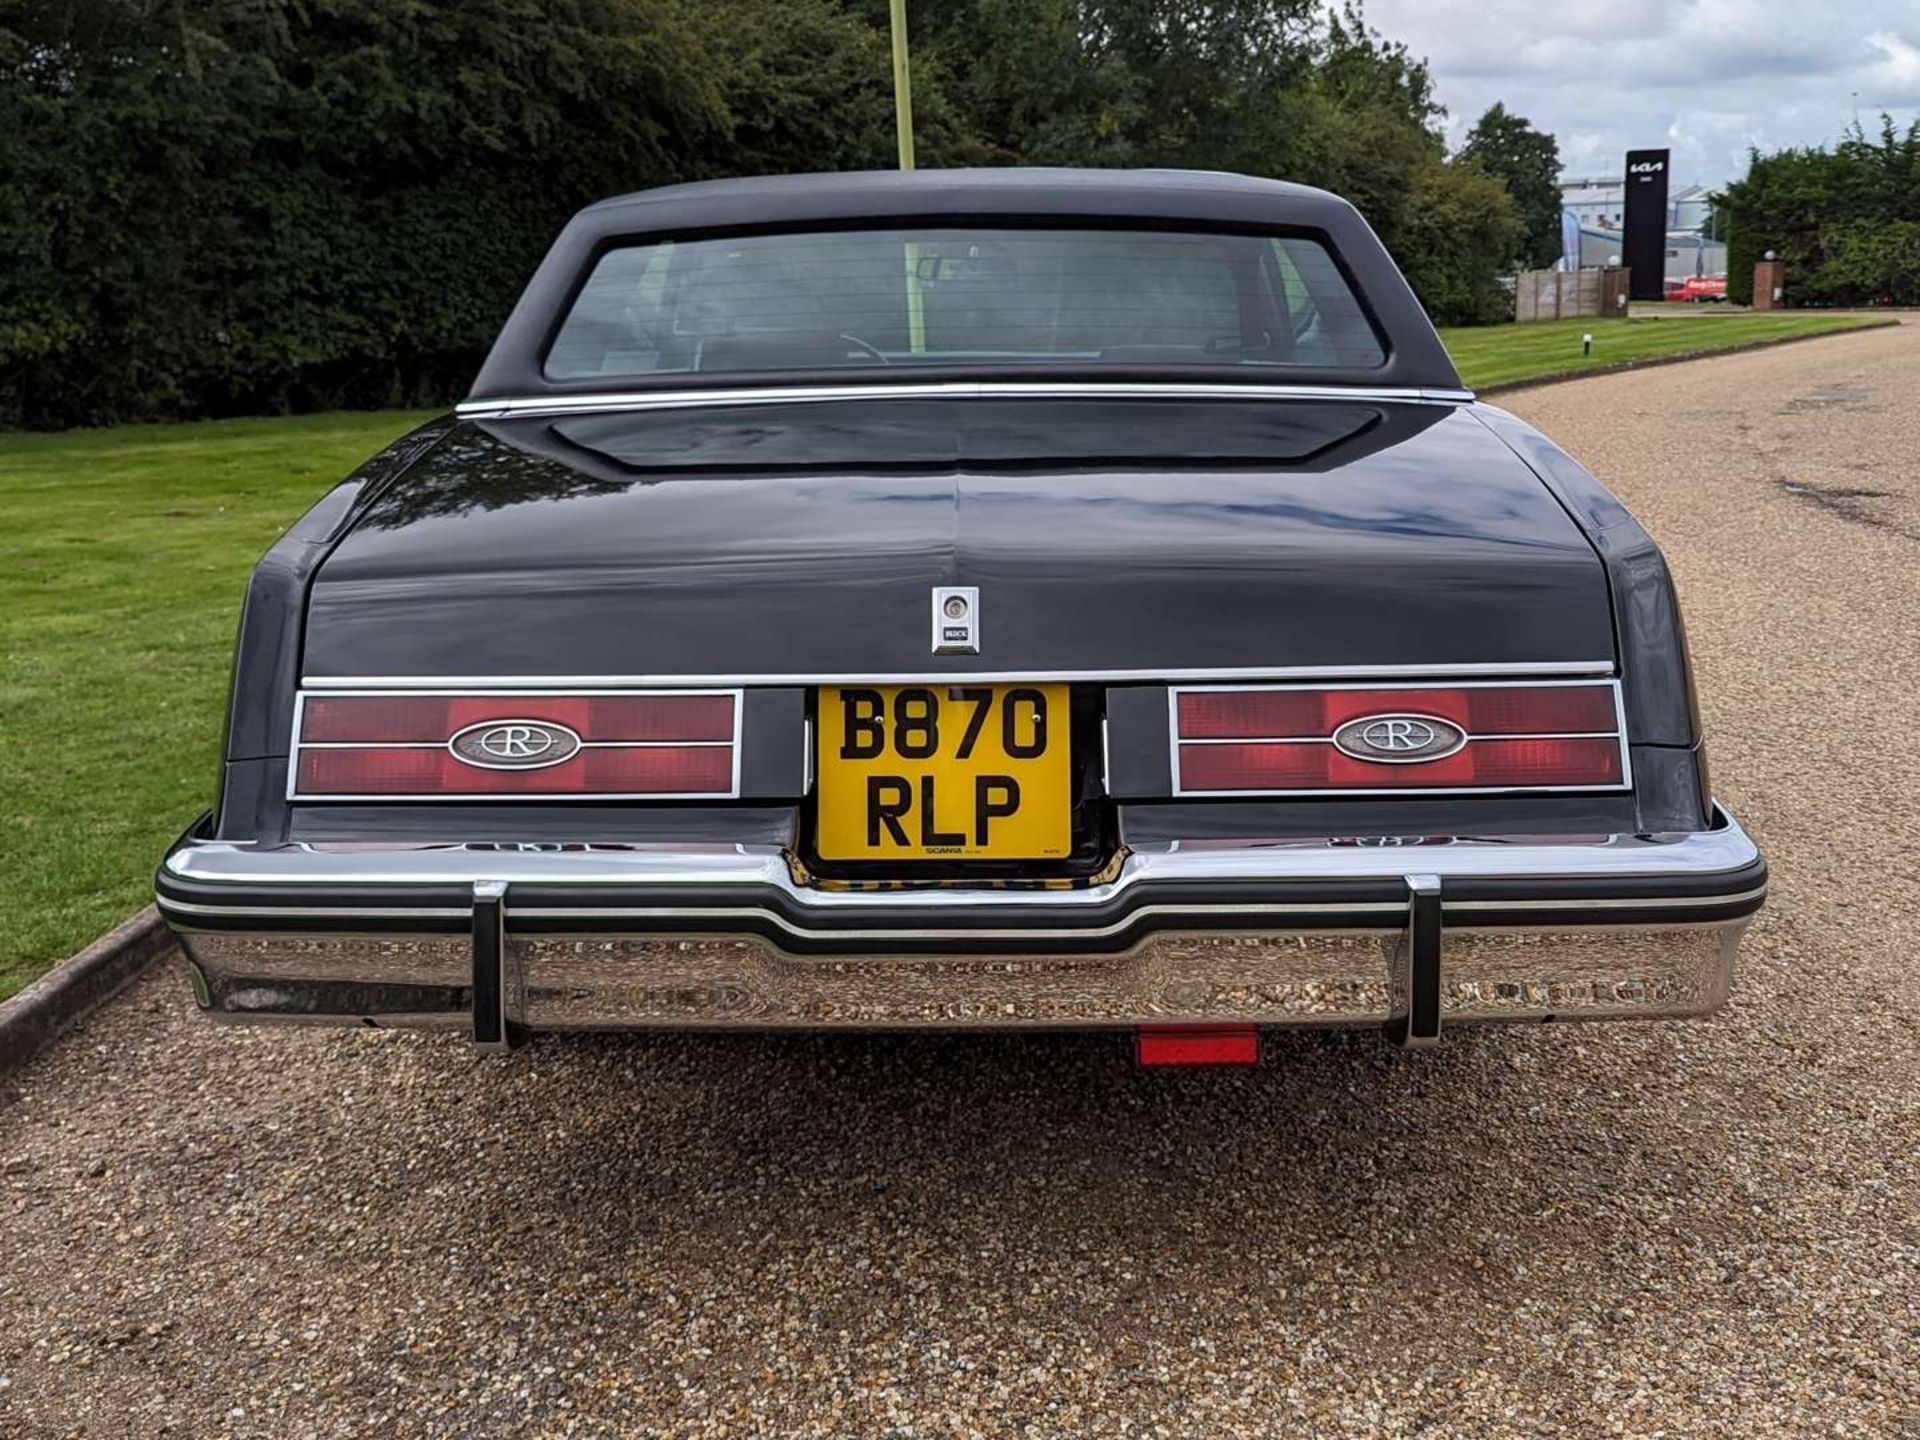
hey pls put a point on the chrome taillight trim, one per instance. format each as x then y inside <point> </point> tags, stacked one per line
<point>1432,674</point>
<point>1617,734</point>
<point>296,745</point>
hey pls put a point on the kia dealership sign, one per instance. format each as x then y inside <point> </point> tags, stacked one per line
<point>1646,222</point>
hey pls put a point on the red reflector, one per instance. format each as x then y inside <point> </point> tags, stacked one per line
<point>1197,1045</point>
<point>434,719</point>
<point>1313,713</point>
<point>637,770</point>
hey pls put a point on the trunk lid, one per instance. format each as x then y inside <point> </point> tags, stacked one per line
<point>804,541</point>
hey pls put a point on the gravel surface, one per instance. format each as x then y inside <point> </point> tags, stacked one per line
<point>1683,1229</point>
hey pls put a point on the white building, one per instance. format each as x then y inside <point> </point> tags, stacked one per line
<point>1602,203</point>
<point>1687,253</point>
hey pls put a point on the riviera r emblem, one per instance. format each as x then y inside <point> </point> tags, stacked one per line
<point>1399,739</point>
<point>956,620</point>
<point>514,744</point>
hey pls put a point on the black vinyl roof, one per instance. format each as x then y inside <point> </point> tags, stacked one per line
<point>1166,194</point>
<point>1200,198</point>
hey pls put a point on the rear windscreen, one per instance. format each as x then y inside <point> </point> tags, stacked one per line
<point>962,296</point>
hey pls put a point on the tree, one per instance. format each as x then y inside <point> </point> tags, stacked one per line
<point>1846,221</point>
<point>1508,148</point>
<point>1458,217</point>
<point>1281,88</point>
<point>236,206</point>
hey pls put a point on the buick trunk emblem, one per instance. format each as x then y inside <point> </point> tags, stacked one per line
<point>1399,739</point>
<point>956,620</point>
<point>514,744</point>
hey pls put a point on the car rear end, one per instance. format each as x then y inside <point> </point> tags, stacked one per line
<point>1185,693</point>
<point>1040,853</point>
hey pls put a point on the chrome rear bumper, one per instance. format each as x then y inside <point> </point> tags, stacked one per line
<point>1408,936</point>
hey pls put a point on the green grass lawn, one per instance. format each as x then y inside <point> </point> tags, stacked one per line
<point>1505,354</point>
<point>122,558</point>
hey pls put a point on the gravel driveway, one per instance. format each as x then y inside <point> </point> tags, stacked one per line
<point>1702,1229</point>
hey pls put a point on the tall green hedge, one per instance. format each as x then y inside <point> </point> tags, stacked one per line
<point>1845,221</point>
<point>237,206</point>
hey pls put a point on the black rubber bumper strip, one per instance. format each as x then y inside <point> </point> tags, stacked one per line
<point>1110,926</point>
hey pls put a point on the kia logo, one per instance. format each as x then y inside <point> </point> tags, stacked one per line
<point>1399,739</point>
<point>514,744</point>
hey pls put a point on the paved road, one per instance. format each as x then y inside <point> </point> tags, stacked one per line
<point>1710,1229</point>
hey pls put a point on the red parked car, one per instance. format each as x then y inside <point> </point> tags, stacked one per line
<point>1701,287</point>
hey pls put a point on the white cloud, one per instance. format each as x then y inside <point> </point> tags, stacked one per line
<point>1897,71</point>
<point>1707,78</point>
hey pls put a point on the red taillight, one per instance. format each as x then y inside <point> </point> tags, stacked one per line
<point>1493,736</point>
<point>433,719</point>
<point>640,770</point>
<point>1316,714</point>
<point>652,745</point>
<point>374,720</point>
<point>1308,765</point>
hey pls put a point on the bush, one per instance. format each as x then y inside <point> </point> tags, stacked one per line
<point>236,207</point>
<point>1845,221</point>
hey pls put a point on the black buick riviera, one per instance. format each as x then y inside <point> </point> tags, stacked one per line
<point>1019,598</point>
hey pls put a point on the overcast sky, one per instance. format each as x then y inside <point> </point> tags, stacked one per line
<point>1704,78</point>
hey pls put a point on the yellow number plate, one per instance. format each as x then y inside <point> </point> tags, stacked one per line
<point>925,772</point>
